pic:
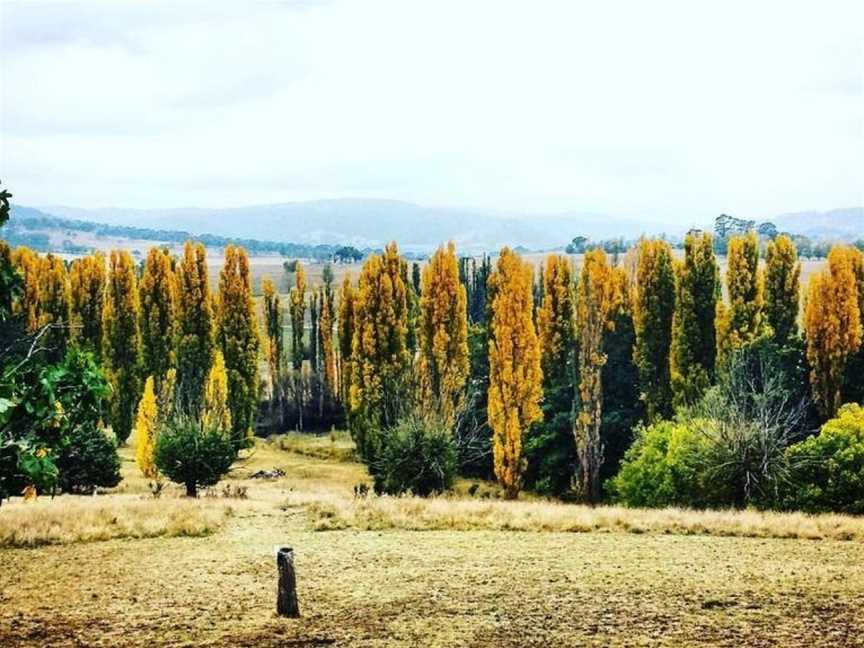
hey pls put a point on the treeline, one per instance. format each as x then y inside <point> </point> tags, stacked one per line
<point>571,375</point>
<point>25,232</point>
<point>629,377</point>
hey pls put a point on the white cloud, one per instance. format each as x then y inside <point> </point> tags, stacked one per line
<point>672,110</point>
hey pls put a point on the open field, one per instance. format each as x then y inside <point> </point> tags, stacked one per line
<point>638,579</point>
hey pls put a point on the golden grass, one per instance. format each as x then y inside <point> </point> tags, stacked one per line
<point>331,512</point>
<point>68,519</point>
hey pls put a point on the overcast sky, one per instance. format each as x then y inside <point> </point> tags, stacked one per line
<point>674,111</point>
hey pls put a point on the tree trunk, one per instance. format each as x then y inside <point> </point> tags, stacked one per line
<point>286,593</point>
<point>191,489</point>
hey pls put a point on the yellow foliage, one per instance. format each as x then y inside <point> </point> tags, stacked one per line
<point>87,290</point>
<point>216,412</point>
<point>345,331</point>
<point>380,359</point>
<point>556,316</point>
<point>145,431</point>
<point>743,319</point>
<point>515,375</point>
<point>832,321</point>
<point>443,363</point>
<point>599,295</point>
<point>273,319</point>
<point>30,266</point>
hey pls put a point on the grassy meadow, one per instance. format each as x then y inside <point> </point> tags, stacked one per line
<point>126,569</point>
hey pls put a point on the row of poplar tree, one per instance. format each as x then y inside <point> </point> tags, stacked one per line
<point>565,366</point>
<point>156,321</point>
<point>555,368</point>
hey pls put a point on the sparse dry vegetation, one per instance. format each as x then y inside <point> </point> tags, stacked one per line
<point>69,519</point>
<point>452,514</point>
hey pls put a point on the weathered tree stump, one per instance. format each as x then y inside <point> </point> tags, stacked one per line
<point>286,593</point>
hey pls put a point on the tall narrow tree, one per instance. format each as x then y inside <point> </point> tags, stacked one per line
<point>380,358</point>
<point>443,335</point>
<point>121,343</point>
<point>145,431</point>
<point>195,326</point>
<point>87,290</point>
<point>158,295</point>
<point>273,327</point>
<point>598,295</point>
<point>239,341</point>
<point>27,306</point>
<point>54,309</point>
<point>328,355</point>
<point>742,321</point>
<point>345,332</point>
<point>832,321</point>
<point>515,375</point>
<point>782,288</point>
<point>549,445</point>
<point>694,346</point>
<point>654,305</point>
<point>297,305</point>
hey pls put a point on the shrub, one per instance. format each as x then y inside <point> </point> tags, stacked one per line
<point>828,469</point>
<point>417,456</point>
<point>191,453</point>
<point>663,468</point>
<point>87,460</point>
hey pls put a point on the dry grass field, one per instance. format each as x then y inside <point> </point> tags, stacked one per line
<point>455,571</point>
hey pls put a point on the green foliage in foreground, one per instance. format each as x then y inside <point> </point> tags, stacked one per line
<point>417,456</point>
<point>191,453</point>
<point>663,468</point>
<point>829,467</point>
<point>45,411</point>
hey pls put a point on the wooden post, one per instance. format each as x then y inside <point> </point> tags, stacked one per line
<point>286,594</point>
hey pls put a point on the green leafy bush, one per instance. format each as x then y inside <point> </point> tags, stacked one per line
<point>828,469</point>
<point>417,456</point>
<point>88,459</point>
<point>664,467</point>
<point>191,453</point>
<point>43,407</point>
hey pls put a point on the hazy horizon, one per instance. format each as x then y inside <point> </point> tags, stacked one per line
<point>668,113</point>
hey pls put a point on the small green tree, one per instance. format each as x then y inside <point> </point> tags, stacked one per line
<point>194,454</point>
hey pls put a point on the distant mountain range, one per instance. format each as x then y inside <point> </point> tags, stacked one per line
<point>370,223</point>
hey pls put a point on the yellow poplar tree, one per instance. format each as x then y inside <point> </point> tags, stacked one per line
<point>653,310</point>
<point>238,335</point>
<point>87,290</point>
<point>297,303</point>
<point>380,359</point>
<point>54,305</point>
<point>443,336</point>
<point>29,264</point>
<point>345,332</point>
<point>832,322</point>
<point>273,326</point>
<point>741,321</point>
<point>515,374</point>
<point>195,326</point>
<point>145,431</point>
<point>598,298</point>
<point>158,295</point>
<point>328,357</point>
<point>297,308</point>
<point>694,348</point>
<point>216,412</point>
<point>782,288</point>
<point>121,342</point>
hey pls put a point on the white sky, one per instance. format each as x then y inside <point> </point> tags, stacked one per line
<point>674,111</point>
